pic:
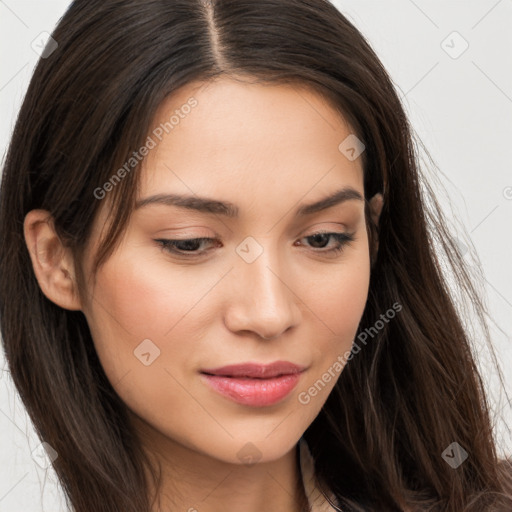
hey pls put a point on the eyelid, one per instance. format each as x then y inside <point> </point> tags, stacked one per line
<point>311,228</point>
<point>184,231</point>
<point>185,234</point>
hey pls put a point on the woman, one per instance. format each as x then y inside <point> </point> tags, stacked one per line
<point>212,217</point>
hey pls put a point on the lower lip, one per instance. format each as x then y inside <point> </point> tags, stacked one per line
<point>253,392</point>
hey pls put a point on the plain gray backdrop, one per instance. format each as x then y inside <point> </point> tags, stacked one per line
<point>451,62</point>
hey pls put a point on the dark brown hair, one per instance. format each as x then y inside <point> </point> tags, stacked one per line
<point>398,404</point>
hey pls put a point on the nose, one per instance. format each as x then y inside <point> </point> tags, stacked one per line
<point>263,300</point>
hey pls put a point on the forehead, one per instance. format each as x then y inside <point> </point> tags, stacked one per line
<point>264,148</point>
<point>251,138</point>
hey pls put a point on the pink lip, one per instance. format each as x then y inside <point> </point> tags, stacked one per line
<point>254,384</point>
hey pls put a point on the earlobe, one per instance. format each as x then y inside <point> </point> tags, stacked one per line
<point>51,261</point>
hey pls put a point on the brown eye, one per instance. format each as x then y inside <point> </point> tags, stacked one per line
<point>322,238</point>
<point>186,247</point>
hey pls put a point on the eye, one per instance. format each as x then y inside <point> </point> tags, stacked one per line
<point>186,247</point>
<point>341,240</point>
<point>190,247</point>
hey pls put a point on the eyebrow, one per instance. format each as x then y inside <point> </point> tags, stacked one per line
<point>208,205</point>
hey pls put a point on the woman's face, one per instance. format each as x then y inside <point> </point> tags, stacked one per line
<point>262,288</point>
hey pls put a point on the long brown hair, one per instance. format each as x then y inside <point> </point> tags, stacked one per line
<point>400,402</point>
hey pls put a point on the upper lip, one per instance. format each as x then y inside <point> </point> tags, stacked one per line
<point>256,370</point>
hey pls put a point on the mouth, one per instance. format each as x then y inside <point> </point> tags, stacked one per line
<point>254,384</point>
<point>256,370</point>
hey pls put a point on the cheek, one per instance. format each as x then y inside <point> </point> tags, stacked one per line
<point>351,300</point>
<point>144,332</point>
<point>342,302</point>
<point>339,306</point>
<point>133,301</point>
<point>338,295</point>
<point>142,297</point>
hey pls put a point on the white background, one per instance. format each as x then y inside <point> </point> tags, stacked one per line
<point>461,108</point>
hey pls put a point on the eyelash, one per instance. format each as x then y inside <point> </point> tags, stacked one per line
<point>342,239</point>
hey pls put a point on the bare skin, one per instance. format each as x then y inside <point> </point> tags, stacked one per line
<point>268,150</point>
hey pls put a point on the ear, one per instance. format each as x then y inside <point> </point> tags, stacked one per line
<point>51,260</point>
<point>375,203</point>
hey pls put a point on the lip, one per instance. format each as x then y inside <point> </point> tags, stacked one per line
<point>256,370</point>
<point>254,384</point>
